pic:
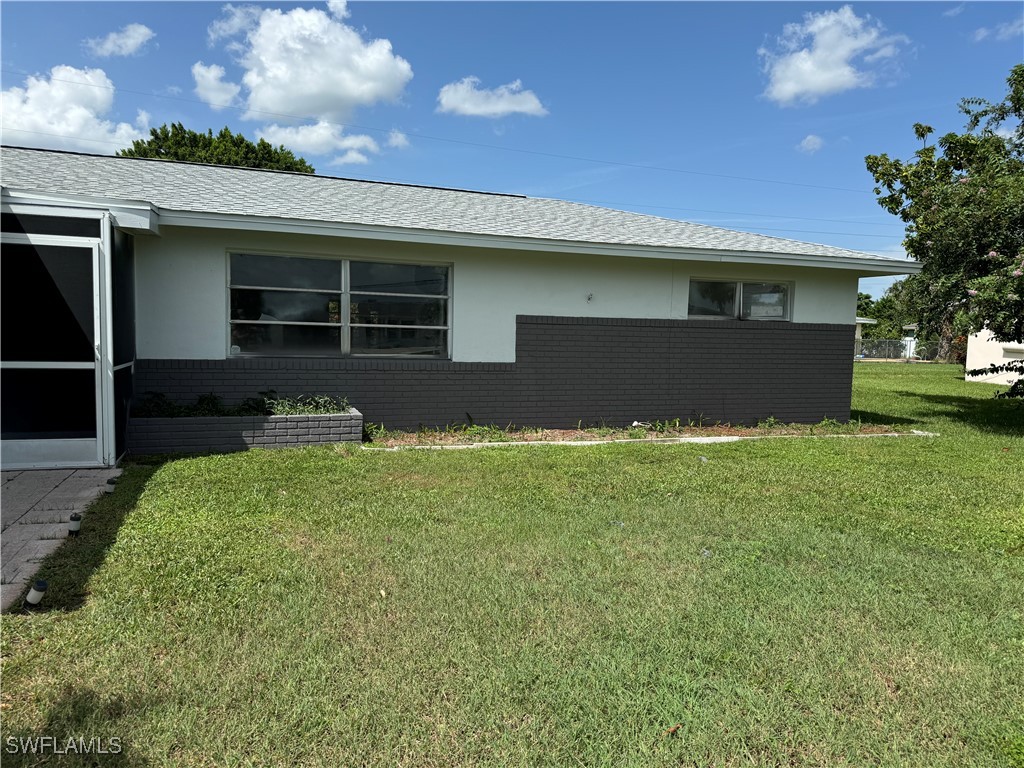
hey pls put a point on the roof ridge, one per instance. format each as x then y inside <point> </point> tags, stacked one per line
<point>263,170</point>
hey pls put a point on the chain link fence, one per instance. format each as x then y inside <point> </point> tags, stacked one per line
<point>895,349</point>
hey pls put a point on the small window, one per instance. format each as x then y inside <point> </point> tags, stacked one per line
<point>719,299</point>
<point>712,299</point>
<point>281,305</point>
<point>764,301</point>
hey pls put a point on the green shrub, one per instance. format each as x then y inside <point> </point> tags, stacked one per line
<point>306,405</point>
<point>156,405</point>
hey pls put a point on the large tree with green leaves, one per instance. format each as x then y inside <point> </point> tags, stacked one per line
<point>176,142</point>
<point>962,199</point>
<point>896,308</point>
<point>864,304</point>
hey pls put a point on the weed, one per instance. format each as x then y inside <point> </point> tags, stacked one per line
<point>373,432</point>
<point>671,425</point>
<point>829,426</point>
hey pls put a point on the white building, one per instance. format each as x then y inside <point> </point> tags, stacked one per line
<point>983,351</point>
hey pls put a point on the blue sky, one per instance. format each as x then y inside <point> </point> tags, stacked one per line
<point>753,116</point>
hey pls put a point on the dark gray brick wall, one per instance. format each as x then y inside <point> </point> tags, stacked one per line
<point>239,433</point>
<point>567,370</point>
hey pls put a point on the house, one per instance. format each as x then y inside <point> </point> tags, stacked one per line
<point>983,351</point>
<point>860,323</point>
<point>422,305</point>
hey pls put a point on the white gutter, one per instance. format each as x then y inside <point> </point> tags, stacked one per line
<point>866,265</point>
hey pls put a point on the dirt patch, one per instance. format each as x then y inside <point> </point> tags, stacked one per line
<point>474,435</point>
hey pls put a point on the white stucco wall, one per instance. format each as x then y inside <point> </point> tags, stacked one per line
<point>983,350</point>
<point>180,297</point>
<point>181,288</point>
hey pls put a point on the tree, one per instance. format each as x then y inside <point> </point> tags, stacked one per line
<point>176,142</point>
<point>892,311</point>
<point>864,304</point>
<point>963,202</point>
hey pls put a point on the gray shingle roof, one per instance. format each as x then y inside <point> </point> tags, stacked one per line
<point>189,187</point>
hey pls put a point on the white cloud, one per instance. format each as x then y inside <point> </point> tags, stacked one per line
<point>956,10</point>
<point>125,42</point>
<point>211,86</point>
<point>351,157</point>
<point>811,144</point>
<point>66,111</point>
<point>1010,30</point>
<point>398,140</point>
<point>885,52</point>
<point>338,8</point>
<point>827,53</point>
<point>307,62</point>
<point>235,19</point>
<point>322,139</point>
<point>465,97</point>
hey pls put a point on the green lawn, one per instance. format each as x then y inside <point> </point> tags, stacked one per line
<point>811,601</point>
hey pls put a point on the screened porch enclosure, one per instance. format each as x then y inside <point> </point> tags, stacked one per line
<point>66,337</point>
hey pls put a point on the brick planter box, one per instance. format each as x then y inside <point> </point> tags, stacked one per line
<point>224,434</point>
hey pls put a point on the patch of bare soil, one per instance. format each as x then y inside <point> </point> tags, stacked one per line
<point>471,435</point>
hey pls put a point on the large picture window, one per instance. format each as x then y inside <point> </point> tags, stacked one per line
<point>731,300</point>
<point>283,305</point>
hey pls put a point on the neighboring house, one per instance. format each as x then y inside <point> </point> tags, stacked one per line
<point>861,322</point>
<point>910,340</point>
<point>421,305</point>
<point>983,350</point>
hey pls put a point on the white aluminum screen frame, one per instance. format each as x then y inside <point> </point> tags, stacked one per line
<point>73,452</point>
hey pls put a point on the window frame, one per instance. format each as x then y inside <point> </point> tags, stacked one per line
<point>344,293</point>
<point>738,301</point>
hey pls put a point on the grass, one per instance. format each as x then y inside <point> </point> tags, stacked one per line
<point>785,602</point>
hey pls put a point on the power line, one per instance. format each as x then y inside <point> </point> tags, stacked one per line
<point>7,128</point>
<point>755,230</point>
<point>732,213</point>
<point>498,147</point>
<point>704,210</point>
<point>621,205</point>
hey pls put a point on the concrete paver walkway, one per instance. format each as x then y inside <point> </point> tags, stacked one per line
<point>35,506</point>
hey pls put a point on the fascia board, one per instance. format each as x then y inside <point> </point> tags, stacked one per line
<point>367,231</point>
<point>136,215</point>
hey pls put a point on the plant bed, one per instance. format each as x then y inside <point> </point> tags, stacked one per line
<point>159,426</point>
<point>468,434</point>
